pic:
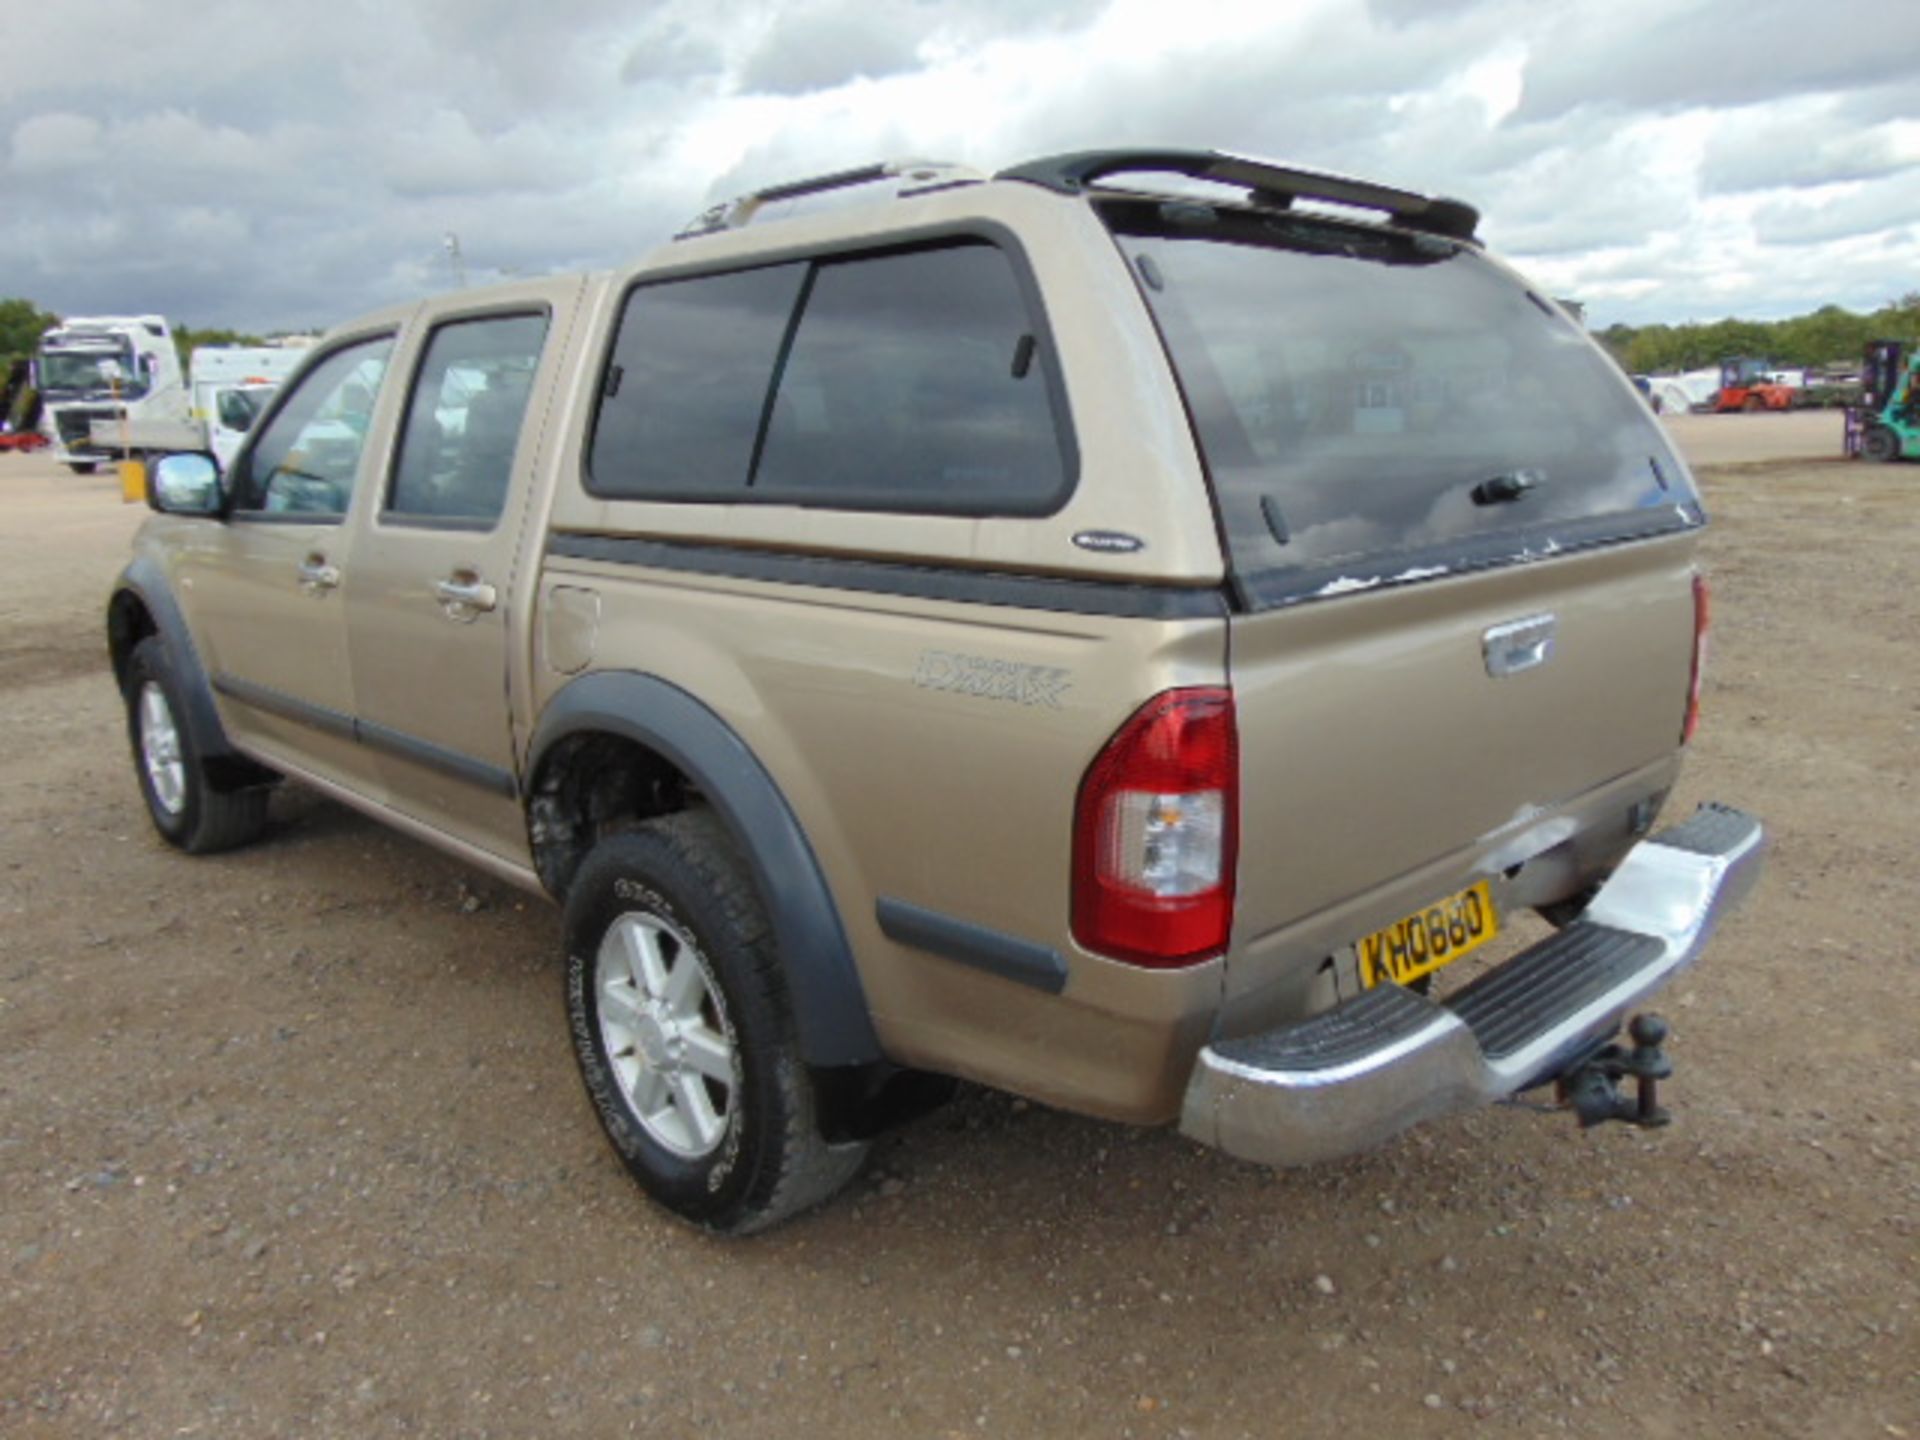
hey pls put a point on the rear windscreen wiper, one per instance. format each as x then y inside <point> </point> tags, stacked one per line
<point>1496,489</point>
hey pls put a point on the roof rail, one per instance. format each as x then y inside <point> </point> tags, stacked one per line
<point>1266,184</point>
<point>911,177</point>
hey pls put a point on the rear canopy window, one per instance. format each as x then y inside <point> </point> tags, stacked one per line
<point>681,405</point>
<point>912,380</point>
<point>1353,388</point>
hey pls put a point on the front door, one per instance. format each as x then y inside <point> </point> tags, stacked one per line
<point>430,604</point>
<point>265,590</point>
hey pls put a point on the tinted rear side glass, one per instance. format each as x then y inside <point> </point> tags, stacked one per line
<point>915,379</point>
<point>681,403</point>
<point>1353,388</point>
<point>914,383</point>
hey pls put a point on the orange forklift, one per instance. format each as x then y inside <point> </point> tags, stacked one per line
<point>1746,384</point>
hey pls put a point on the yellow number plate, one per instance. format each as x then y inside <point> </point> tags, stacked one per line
<point>1428,939</point>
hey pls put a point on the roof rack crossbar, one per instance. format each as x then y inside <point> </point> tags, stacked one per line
<point>837,180</point>
<point>914,176</point>
<point>1265,182</point>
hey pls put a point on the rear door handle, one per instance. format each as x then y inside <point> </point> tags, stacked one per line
<point>317,576</point>
<point>464,595</point>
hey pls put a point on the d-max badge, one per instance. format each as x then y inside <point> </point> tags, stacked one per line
<point>1109,542</point>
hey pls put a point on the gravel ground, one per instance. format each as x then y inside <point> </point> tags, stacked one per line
<point>291,1142</point>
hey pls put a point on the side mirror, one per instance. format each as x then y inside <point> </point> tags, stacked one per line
<point>184,485</point>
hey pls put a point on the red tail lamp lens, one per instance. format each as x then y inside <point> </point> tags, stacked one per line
<point>1156,833</point>
<point>1692,722</point>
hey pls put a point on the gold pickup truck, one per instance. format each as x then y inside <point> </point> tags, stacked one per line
<point>1118,630</point>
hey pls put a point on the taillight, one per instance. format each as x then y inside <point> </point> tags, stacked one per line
<point>1156,831</point>
<point>1692,722</point>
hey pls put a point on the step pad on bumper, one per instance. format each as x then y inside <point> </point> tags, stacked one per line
<point>1335,1037</point>
<point>1353,1076</point>
<point>1509,1006</point>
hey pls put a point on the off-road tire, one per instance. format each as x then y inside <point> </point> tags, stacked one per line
<point>202,819</point>
<point>771,1163</point>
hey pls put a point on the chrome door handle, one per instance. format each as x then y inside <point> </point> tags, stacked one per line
<point>1519,645</point>
<point>316,575</point>
<point>462,598</point>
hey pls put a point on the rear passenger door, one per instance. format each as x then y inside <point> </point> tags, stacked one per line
<point>431,603</point>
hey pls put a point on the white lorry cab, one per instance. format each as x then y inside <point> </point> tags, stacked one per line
<point>119,369</point>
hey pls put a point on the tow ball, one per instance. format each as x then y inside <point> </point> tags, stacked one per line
<point>1593,1087</point>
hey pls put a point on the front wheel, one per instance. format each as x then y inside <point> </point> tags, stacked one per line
<point>184,807</point>
<point>1880,443</point>
<point>82,467</point>
<point>684,1030</point>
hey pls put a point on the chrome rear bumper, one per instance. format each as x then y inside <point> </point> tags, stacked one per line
<point>1347,1079</point>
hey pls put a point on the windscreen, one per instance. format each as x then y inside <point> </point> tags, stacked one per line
<point>76,373</point>
<point>1377,407</point>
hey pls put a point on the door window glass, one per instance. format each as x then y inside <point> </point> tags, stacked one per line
<point>463,420</point>
<point>305,460</point>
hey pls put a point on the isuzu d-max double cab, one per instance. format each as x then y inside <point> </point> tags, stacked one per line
<point>1121,645</point>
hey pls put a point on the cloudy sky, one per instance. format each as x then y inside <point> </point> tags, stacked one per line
<point>289,164</point>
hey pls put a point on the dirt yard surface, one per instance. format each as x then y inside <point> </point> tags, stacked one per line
<point>1745,439</point>
<point>291,1142</point>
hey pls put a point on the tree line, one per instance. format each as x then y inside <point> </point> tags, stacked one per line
<point>1828,336</point>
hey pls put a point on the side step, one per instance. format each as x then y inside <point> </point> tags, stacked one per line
<point>1357,1074</point>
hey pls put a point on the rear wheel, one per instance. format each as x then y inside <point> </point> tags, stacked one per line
<point>184,807</point>
<point>1880,443</point>
<point>684,1030</point>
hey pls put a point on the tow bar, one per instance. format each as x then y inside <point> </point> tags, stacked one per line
<point>1593,1087</point>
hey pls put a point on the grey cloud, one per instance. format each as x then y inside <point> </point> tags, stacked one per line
<point>670,50</point>
<point>54,142</point>
<point>1421,12</point>
<point>310,169</point>
<point>1866,210</point>
<point>1677,58</point>
<point>823,48</point>
<point>1760,151</point>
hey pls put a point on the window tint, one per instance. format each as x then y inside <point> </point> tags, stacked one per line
<point>306,459</point>
<point>463,418</point>
<point>1353,388</point>
<point>681,404</point>
<point>913,384</point>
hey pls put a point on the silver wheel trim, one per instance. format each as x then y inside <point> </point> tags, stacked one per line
<point>160,750</point>
<point>666,1033</point>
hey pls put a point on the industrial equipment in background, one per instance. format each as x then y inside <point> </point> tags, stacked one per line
<point>121,369</point>
<point>1751,385</point>
<point>1885,425</point>
<point>231,386</point>
<point>19,409</point>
